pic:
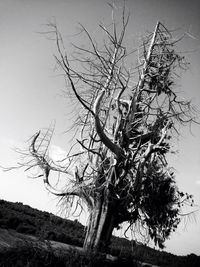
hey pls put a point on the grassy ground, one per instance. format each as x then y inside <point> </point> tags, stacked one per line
<point>24,250</point>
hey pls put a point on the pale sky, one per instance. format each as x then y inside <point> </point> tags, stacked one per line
<point>31,90</point>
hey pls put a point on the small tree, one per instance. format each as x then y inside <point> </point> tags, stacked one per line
<point>127,117</point>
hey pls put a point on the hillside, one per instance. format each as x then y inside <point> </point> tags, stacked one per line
<point>18,218</point>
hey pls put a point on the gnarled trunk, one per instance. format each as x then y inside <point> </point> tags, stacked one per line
<point>100,227</point>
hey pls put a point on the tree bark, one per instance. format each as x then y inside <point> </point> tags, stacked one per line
<point>100,227</point>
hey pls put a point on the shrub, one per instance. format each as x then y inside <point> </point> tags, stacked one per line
<point>26,229</point>
<point>13,222</point>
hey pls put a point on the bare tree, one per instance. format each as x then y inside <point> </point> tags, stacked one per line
<point>127,117</point>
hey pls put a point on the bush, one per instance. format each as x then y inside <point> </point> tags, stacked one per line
<point>26,229</point>
<point>13,222</point>
<point>3,223</point>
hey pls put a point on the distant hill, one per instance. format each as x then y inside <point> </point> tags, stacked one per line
<point>47,226</point>
<point>44,225</point>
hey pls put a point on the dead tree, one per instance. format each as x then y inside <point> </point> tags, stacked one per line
<point>128,115</point>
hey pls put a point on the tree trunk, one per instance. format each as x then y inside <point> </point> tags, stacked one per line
<point>100,227</point>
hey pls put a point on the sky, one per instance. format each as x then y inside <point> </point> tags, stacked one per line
<point>31,91</point>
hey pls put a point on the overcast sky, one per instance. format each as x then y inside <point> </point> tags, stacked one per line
<point>31,90</point>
